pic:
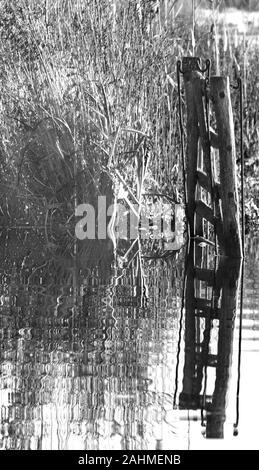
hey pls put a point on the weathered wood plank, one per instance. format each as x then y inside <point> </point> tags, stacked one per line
<point>191,387</point>
<point>214,139</point>
<point>205,211</point>
<point>207,275</point>
<point>199,223</point>
<point>197,239</point>
<point>204,182</point>
<point>199,91</point>
<point>201,304</point>
<point>230,273</point>
<point>212,313</point>
<point>220,96</point>
<point>212,360</point>
<point>207,359</point>
<point>190,70</point>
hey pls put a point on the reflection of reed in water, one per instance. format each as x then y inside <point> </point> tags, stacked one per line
<point>37,204</point>
<point>84,381</point>
<point>211,297</point>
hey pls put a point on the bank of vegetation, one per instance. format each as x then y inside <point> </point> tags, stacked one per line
<point>89,101</point>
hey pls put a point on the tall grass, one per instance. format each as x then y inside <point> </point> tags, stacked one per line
<point>86,84</point>
<point>65,71</point>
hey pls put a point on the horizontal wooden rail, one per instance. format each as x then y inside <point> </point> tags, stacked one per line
<point>205,211</point>
<point>204,182</point>
<point>200,303</point>
<point>207,312</point>
<point>207,275</point>
<point>209,359</point>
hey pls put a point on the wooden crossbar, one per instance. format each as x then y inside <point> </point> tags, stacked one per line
<point>201,304</point>
<point>204,182</point>
<point>212,313</point>
<point>207,275</point>
<point>205,211</point>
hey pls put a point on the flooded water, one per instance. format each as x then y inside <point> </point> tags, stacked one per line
<point>101,358</point>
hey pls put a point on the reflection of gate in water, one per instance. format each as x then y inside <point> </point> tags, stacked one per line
<point>212,209</point>
<point>211,297</point>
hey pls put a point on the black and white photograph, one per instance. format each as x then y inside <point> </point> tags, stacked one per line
<point>129,243</point>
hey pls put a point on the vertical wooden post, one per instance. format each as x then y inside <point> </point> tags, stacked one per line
<point>229,274</point>
<point>190,70</point>
<point>189,397</point>
<point>199,91</point>
<point>220,96</point>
